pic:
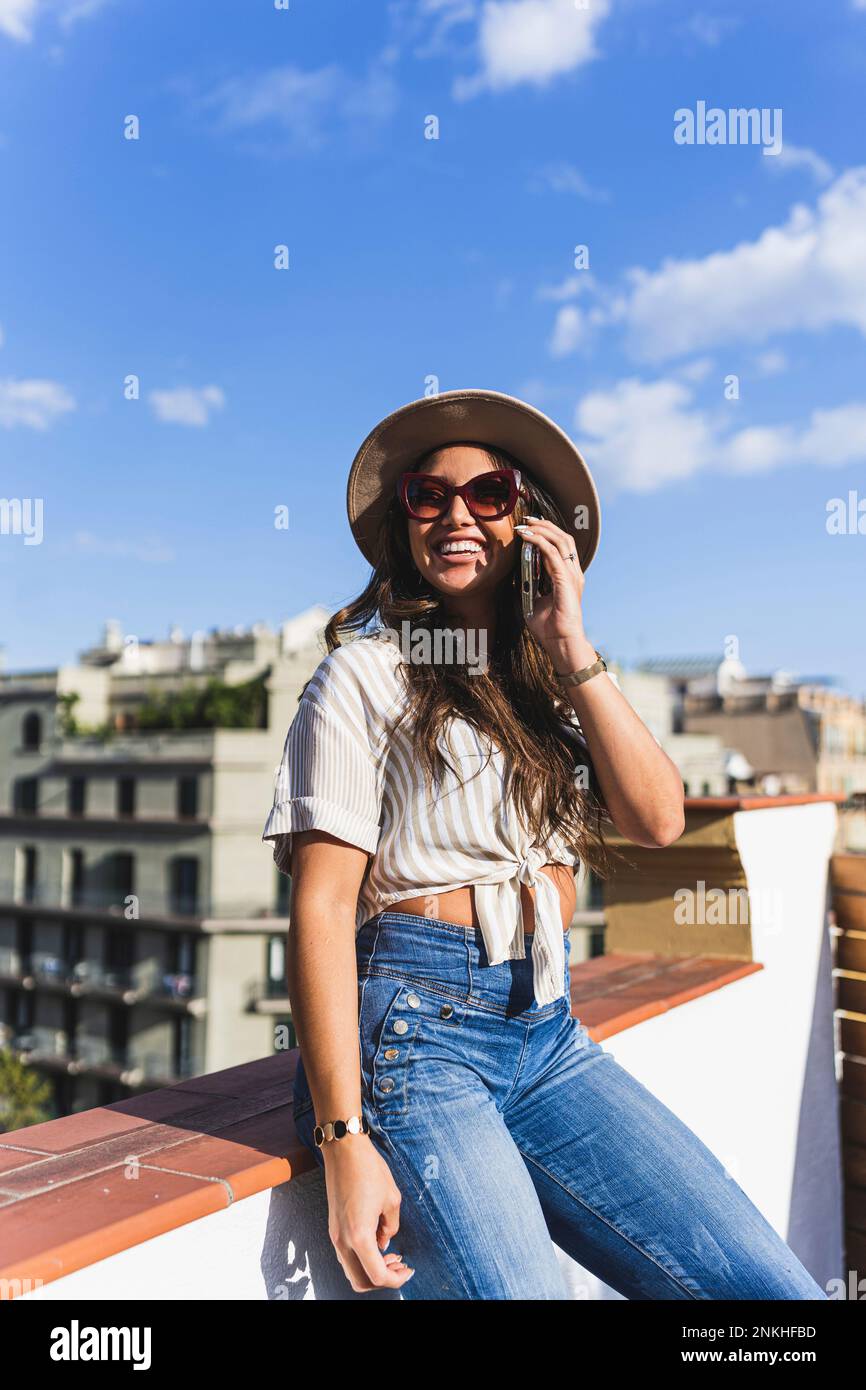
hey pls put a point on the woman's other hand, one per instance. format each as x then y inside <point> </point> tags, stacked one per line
<point>363,1214</point>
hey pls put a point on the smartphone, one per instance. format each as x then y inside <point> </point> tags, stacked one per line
<point>533,576</point>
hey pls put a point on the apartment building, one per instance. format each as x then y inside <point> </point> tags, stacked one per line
<point>700,756</point>
<point>783,735</point>
<point>142,922</point>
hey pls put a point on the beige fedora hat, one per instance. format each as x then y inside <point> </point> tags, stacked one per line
<point>479,417</point>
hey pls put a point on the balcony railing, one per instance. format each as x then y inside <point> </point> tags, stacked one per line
<point>45,1042</point>
<point>145,980</point>
<point>145,903</point>
<point>263,991</point>
<point>94,1051</point>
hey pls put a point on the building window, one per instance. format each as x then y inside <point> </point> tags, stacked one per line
<point>121,876</point>
<point>77,796</point>
<point>706,789</point>
<point>30,865</point>
<point>180,979</point>
<point>183,887</point>
<point>76,878</point>
<point>187,798</point>
<point>27,796</point>
<point>31,731</point>
<point>126,796</point>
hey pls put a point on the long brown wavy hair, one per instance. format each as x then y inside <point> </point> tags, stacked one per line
<point>516,702</point>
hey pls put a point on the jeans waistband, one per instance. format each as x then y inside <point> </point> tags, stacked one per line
<point>449,959</point>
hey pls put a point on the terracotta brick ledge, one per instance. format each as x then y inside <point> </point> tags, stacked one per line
<point>76,1190</point>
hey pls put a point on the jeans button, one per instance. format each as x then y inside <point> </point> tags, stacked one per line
<point>413,1001</point>
<point>391,1053</point>
<point>387,1084</point>
<point>401,1026</point>
<point>446,1011</point>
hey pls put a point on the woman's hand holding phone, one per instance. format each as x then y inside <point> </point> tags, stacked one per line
<point>556,620</point>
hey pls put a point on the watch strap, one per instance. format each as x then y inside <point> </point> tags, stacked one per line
<point>578,677</point>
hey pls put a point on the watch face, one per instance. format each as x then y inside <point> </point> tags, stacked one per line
<point>339,1129</point>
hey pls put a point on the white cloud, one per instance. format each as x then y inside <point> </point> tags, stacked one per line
<point>799,157</point>
<point>16,19</point>
<point>564,178</point>
<point>73,10</point>
<point>696,370</point>
<point>569,288</point>
<point>186,405</point>
<point>835,437</point>
<point>34,404</point>
<point>569,331</point>
<point>306,105</point>
<point>643,434</point>
<point>640,436</point>
<point>707,29</point>
<point>446,15</point>
<point>771,363</point>
<point>807,274</point>
<point>531,41</point>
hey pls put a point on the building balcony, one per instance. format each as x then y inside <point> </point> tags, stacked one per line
<point>716,991</point>
<point>147,906</point>
<point>267,997</point>
<point>53,821</point>
<point>133,984</point>
<point>94,1055</point>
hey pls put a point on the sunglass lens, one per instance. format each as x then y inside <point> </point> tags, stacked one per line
<point>425,496</point>
<point>491,496</point>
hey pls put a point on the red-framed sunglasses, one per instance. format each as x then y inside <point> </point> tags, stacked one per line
<point>488,495</point>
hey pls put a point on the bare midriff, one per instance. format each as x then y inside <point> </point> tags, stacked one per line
<point>458,904</point>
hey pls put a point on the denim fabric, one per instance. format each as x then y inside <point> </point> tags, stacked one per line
<point>506,1127</point>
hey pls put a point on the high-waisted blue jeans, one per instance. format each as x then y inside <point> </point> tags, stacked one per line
<point>506,1127</point>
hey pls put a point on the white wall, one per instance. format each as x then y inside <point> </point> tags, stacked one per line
<point>749,1067</point>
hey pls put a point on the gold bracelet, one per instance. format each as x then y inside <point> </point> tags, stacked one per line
<point>338,1129</point>
<point>578,677</point>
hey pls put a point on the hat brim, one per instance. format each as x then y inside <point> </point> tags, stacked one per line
<point>483,417</point>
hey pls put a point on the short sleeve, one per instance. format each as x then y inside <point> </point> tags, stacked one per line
<point>326,780</point>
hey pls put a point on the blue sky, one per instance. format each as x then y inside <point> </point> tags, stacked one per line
<point>414,258</point>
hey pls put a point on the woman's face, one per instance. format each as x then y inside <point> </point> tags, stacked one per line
<point>486,551</point>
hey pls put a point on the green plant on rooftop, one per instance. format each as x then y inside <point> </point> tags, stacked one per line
<point>215,705</point>
<point>24,1096</point>
<point>66,720</point>
<point>71,727</point>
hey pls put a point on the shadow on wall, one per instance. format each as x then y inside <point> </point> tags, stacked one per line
<point>298,1259</point>
<point>815,1216</point>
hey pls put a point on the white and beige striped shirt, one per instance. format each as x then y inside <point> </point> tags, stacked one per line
<point>344,772</point>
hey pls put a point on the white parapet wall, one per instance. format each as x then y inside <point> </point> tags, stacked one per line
<point>749,1067</point>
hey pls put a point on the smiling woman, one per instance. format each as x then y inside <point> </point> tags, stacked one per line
<point>436,815</point>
